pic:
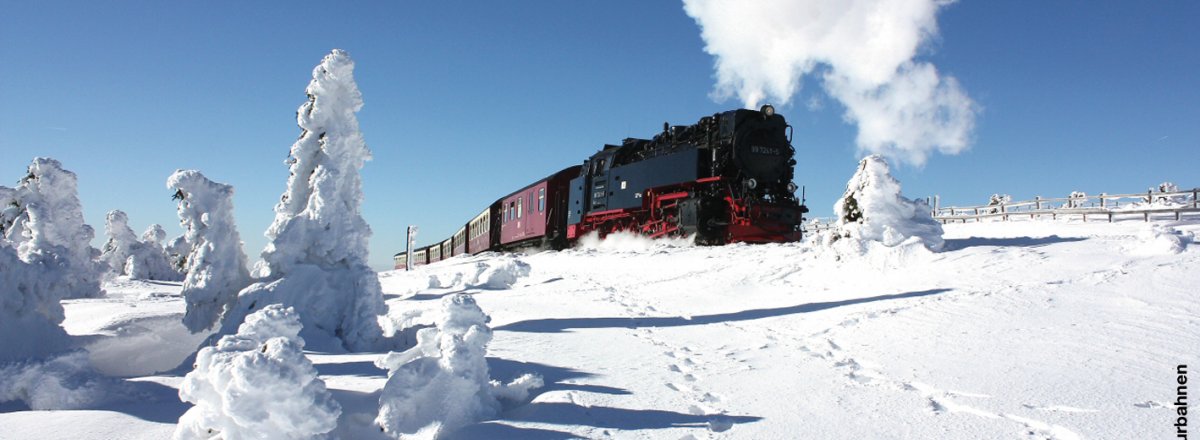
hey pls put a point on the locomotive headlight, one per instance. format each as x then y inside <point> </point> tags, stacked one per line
<point>751,183</point>
<point>768,110</point>
<point>791,187</point>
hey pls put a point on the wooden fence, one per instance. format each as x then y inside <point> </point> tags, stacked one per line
<point>1148,205</point>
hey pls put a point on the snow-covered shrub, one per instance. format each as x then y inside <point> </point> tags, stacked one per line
<point>61,383</point>
<point>1156,239</point>
<point>1167,187</point>
<point>1077,199</point>
<point>997,200</point>
<point>873,210</point>
<point>216,266</point>
<point>442,384</point>
<point>316,259</point>
<point>44,222</point>
<point>257,384</point>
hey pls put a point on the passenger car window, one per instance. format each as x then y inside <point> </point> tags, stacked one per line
<point>541,199</point>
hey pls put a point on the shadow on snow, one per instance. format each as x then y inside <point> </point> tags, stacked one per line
<point>954,244</point>
<point>553,325</point>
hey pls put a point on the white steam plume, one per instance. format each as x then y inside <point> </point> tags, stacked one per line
<point>863,50</point>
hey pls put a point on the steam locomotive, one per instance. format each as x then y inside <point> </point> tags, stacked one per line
<point>725,179</point>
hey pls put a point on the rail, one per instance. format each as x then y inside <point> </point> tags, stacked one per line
<point>1147,205</point>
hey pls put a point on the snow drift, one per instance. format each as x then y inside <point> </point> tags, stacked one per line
<point>872,210</point>
<point>216,266</point>
<point>316,259</point>
<point>490,271</point>
<point>442,384</point>
<point>63,382</point>
<point>1156,239</point>
<point>257,384</point>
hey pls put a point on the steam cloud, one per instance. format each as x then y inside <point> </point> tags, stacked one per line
<point>863,51</point>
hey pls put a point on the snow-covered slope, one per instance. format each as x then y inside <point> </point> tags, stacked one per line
<point>1020,329</point>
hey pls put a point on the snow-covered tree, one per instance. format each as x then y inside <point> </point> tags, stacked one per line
<point>442,384</point>
<point>216,265</point>
<point>316,259</point>
<point>177,252</point>
<point>120,239</point>
<point>873,209</point>
<point>43,220</point>
<point>30,310</point>
<point>149,261</point>
<point>257,384</point>
<point>142,259</point>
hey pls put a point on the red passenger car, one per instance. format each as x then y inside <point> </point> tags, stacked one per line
<point>533,215</point>
<point>460,241</point>
<point>479,232</point>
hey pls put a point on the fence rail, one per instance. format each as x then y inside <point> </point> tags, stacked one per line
<point>1147,205</point>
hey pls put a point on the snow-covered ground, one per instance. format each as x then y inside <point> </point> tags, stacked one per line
<point>1038,329</point>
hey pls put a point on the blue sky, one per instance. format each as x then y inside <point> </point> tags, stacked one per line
<point>466,101</point>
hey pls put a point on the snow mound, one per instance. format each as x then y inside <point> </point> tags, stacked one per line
<point>442,384</point>
<point>316,259</point>
<point>257,384</point>
<point>873,211</point>
<point>43,220</point>
<point>216,265</point>
<point>630,242</point>
<point>498,272</point>
<point>61,383</point>
<point>1157,239</point>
